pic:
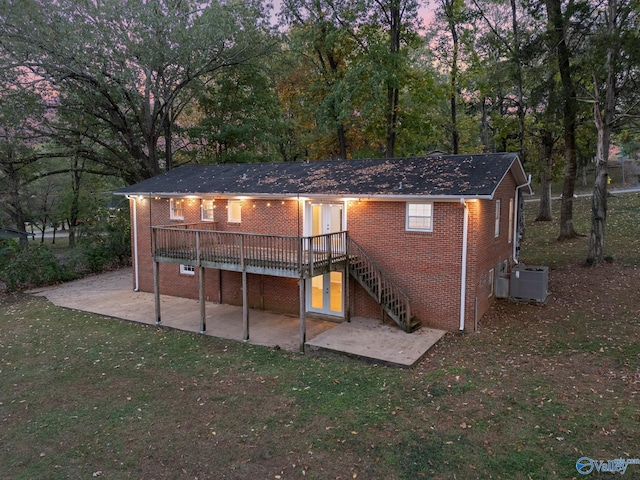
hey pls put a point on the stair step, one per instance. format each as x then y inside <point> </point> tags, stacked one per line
<point>380,288</point>
<point>415,324</point>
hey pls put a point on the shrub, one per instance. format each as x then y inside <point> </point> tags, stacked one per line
<point>105,245</point>
<point>31,266</point>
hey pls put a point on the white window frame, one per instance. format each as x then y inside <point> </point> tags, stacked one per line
<point>206,210</point>
<point>497,223</point>
<point>412,213</point>
<point>176,208</point>
<point>187,269</point>
<point>492,277</point>
<point>231,210</point>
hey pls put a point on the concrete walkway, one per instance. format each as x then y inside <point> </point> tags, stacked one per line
<point>111,294</point>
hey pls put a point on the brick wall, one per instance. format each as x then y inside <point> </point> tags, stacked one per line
<point>427,265</point>
<point>486,250</point>
<point>424,264</point>
<point>265,292</point>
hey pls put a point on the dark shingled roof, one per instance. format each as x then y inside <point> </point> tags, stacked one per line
<point>432,176</point>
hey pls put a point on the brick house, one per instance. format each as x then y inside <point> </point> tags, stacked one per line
<point>418,240</point>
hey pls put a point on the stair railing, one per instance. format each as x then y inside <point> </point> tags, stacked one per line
<point>390,296</point>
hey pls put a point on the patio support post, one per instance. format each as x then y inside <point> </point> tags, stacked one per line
<point>203,310</point>
<point>156,289</point>
<point>245,294</point>
<point>245,308</point>
<point>303,319</point>
<point>347,282</point>
<point>347,296</point>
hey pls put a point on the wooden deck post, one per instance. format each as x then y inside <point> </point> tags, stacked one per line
<point>245,295</point>
<point>347,295</point>
<point>347,279</point>
<point>303,309</point>
<point>203,310</point>
<point>245,308</point>
<point>156,289</point>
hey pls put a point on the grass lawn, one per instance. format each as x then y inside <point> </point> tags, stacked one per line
<point>537,388</point>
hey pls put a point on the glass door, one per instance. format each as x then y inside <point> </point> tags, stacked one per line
<point>325,294</point>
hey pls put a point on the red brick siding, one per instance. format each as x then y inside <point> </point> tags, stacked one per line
<point>269,293</point>
<point>485,249</point>
<point>269,217</point>
<point>427,265</point>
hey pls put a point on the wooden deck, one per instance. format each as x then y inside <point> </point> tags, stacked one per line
<point>282,256</point>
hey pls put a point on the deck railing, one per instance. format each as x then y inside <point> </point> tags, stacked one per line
<point>269,254</point>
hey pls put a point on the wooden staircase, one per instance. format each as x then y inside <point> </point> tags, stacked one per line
<point>393,301</point>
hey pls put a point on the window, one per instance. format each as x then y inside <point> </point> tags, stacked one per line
<point>234,213</point>
<point>491,281</point>
<point>501,267</point>
<point>187,269</point>
<point>177,208</point>
<point>510,232</point>
<point>206,209</point>
<point>420,217</point>
<point>497,226</point>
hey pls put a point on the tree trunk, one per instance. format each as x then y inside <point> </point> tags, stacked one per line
<point>604,120</point>
<point>484,122</point>
<point>453,99</point>
<point>570,109</point>
<point>518,64</point>
<point>393,95</point>
<point>74,213</point>
<point>544,208</point>
<point>15,205</point>
<point>393,90</point>
<point>342,142</point>
<point>168,156</point>
<point>147,126</point>
<point>599,200</point>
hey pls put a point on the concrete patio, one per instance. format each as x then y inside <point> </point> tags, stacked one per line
<point>111,294</point>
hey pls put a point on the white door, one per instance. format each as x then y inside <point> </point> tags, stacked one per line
<point>325,218</point>
<point>325,294</point>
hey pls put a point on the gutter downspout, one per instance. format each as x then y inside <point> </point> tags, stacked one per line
<point>463,280</point>
<point>516,240</point>
<point>136,275</point>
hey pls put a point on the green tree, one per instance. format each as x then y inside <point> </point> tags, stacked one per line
<point>126,66</point>
<point>239,118</point>
<point>452,28</point>
<point>20,112</point>
<point>399,19</point>
<point>323,35</point>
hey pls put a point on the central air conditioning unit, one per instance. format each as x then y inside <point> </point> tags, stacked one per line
<point>529,283</point>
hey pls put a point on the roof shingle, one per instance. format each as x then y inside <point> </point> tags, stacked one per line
<point>432,176</point>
